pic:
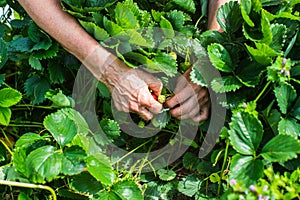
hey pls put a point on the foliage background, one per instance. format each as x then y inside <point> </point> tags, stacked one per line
<point>256,155</point>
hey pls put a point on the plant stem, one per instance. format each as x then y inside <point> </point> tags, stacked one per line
<point>130,152</point>
<point>6,147</point>
<point>7,139</point>
<point>196,25</point>
<point>223,166</point>
<point>26,125</point>
<point>32,106</point>
<point>262,92</point>
<point>29,185</point>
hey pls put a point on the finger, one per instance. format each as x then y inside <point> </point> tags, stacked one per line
<point>189,115</point>
<point>202,93</point>
<point>145,114</point>
<point>191,105</point>
<point>180,97</point>
<point>181,84</point>
<point>133,107</point>
<point>203,115</point>
<point>145,99</point>
<point>153,83</point>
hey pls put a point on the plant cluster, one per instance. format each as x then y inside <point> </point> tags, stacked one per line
<point>46,144</point>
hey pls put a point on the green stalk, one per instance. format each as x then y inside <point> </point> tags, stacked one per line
<point>130,152</point>
<point>26,125</point>
<point>29,185</point>
<point>32,106</point>
<point>262,92</point>
<point>6,147</point>
<point>7,139</point>
<point>223,166</point>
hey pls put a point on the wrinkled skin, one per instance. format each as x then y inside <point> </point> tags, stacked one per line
<point>190,101</point>
<point>130,89</point>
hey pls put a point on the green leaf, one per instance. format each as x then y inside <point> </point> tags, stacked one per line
<point>88,6</point>
<point>291,45</point>
<point>46,54</point>
<point>9,97</point>
<point>260,32</point>
<point>35,63</point>
<point>246,5</point>
<point>85,183</point>
<point>95,31</point>
<point>211,36</point>
<point>197,78</point>
<point>137,38</point>
<point>108,195</point>
<point>5,115</point>
<point>220,57</point>
<point>190,161</point>
<point>111,27</point>
<point>3,53</point>
<point>44,44</point>
<point>176,18</point>
<point>81,124</point>
<point>246,169</point>
<point>73,160</point>
<point>62,128</point>
<point>289,127</point>
<point>189,185</point>
<point>110,127</point>
<point>103,90</point>
<point>166,175</point>
<point>127,190</point>
<point>162,62</point>
<point>279,32</point>
<point>229,17</point>
<point>124,17</point>
<point>56,72</point>
<point>161,120</point>
<point>186,5</point>
<point>285,95</point>
<point>225,84</point>
<point>36,88</point>
<point>43,164</point>
<point>245,133</point>
<point>28,139</point>
<point>281,148</point>
<point>263,54</point>
<point>23,196</point>
<point>167,27</point>
<point>59,99</point>
<point>99,167</point>
<point>23,45</point>
<point>250,74</point>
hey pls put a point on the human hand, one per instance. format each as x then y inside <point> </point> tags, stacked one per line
<point>190,101</point>
<point>130,89</point>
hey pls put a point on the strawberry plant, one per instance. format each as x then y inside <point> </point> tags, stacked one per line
<point>57,145</point>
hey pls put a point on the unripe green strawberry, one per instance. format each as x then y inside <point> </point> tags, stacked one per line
<point>161,99</point>
<point>173,54</point>
<point>141,124</point>
<point>185,66</point>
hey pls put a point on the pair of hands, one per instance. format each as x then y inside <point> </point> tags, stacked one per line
<point>130,93</point>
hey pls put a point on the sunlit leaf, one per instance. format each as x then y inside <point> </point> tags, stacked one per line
<point>245,133</point>
<point>246,169</point>
<point>281,148</point>
<point>9,97</point>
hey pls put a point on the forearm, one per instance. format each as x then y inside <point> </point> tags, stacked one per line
<point>49,16</point>
<point>213,7</point>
